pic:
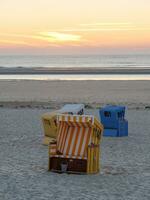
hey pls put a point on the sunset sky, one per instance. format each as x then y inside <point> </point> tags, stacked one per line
<point>74,26</point>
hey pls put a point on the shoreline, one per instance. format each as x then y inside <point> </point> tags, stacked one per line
<point>58,105</point>
<point>72,71</point>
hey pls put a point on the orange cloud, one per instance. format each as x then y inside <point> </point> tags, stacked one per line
<point>110,34</point>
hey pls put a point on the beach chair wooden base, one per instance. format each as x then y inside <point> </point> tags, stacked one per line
<point>72,165</point>
<point>69,172</point>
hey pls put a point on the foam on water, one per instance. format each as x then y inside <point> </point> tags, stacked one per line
<point>69,77</point>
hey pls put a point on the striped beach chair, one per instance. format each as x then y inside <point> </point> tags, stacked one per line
<point>77,144</point>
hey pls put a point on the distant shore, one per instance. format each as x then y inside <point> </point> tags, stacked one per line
<point>86,70</point>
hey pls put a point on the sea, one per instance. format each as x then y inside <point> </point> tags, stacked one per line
<point>76,61</point>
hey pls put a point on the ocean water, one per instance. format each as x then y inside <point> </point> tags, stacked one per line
<point>66,61</point>
<point>76,61</point>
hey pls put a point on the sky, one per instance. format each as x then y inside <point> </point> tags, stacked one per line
<point>74,26</point>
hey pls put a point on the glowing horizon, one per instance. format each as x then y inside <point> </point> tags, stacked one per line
<point>73,26</point>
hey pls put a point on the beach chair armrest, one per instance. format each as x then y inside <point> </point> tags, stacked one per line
<point>52,149</point>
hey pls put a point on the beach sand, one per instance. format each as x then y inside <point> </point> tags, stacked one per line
<point>125,162</point>
<point>93,93</point>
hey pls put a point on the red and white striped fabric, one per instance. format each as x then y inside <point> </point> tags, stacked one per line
<point>79,120</point>
<point>67,156</point>
<point>73,140</point>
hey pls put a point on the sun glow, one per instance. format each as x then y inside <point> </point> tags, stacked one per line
<point>60,37</point>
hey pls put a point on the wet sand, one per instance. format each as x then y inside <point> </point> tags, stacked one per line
<point>77,70</point>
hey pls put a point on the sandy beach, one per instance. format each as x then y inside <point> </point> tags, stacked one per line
<point>133,94</point>
<point>125,162</point>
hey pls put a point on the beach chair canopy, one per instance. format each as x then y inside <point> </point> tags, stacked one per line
<point>75,134</point>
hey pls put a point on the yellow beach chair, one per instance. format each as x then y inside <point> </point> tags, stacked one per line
<point>77,146</point>
<point>49,120</point>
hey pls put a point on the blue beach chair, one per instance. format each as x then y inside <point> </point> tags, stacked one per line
<point>113,120</point>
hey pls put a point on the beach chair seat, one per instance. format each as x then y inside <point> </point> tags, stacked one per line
<point>77,144</point>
